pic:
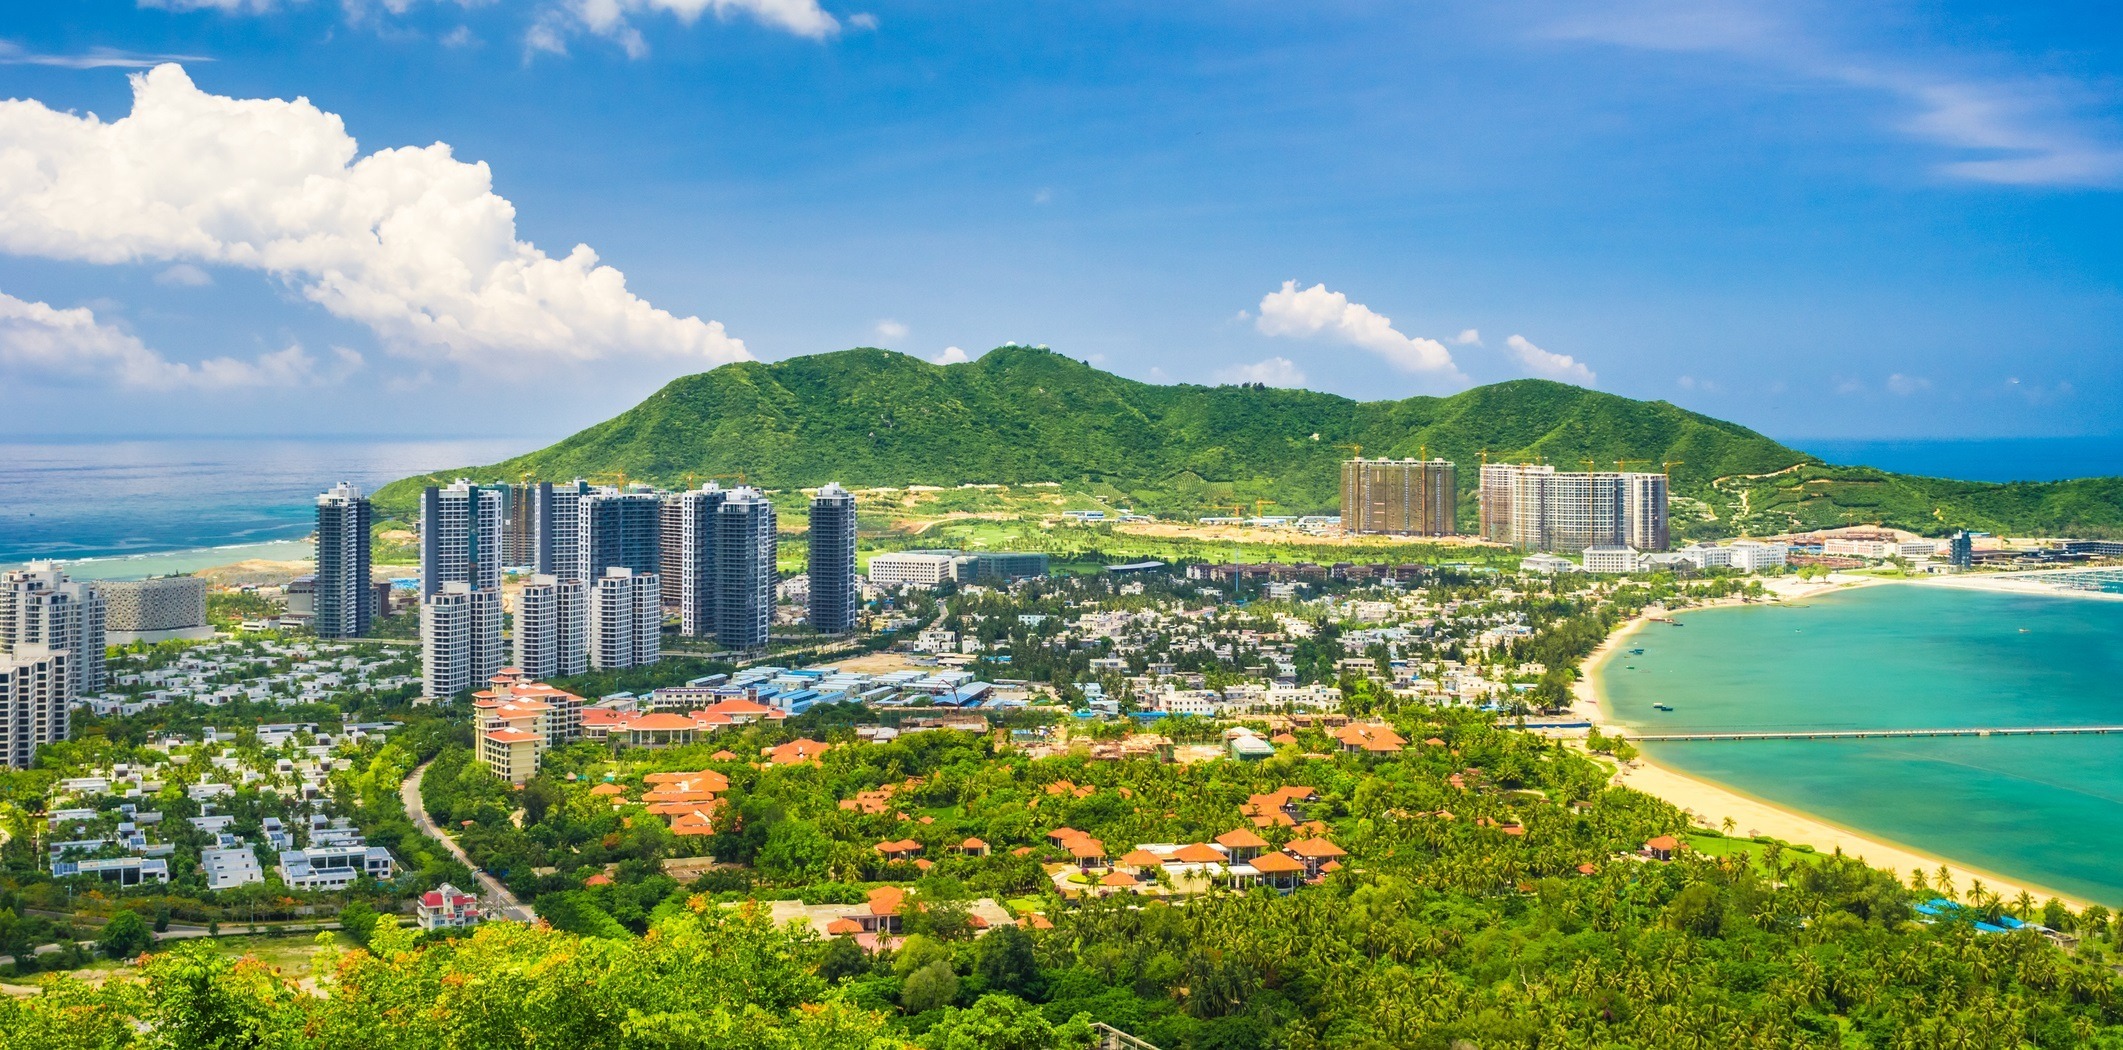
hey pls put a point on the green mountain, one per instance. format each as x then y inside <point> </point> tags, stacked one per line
<point>1018,415</point>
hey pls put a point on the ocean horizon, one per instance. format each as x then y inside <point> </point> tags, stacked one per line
<point>1977,459</point>
<point>2045,810</point>
<point>91,500</point>
<point>73,501</point>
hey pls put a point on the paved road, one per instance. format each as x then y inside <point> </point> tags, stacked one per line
<point>491,887</point>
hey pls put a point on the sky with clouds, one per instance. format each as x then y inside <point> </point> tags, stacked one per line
<point>517,217</point>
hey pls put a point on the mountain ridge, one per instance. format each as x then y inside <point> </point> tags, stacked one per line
<point>1016,415</point>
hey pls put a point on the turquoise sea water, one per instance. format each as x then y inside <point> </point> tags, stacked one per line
<point>2045,810</point>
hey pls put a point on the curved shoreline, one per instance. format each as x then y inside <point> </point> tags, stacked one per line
<point>1710,803</point>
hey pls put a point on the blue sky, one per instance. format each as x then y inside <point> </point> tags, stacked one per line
<point>1895,221</point>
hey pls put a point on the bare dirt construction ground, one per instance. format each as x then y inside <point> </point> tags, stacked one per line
<point>880,663</point>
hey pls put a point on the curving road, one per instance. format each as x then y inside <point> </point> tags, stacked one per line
<point>490,887</point>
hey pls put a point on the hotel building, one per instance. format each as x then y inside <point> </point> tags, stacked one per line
<point>157,609</point>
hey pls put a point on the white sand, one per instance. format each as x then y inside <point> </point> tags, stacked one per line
<point>1710,804</point>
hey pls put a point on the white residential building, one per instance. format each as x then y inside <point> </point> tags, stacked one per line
<point>460,536</point>
<point>460,636</point>
<point>230,867</point>
<point>626,619</point>
<point>1754,555</point>
<point>1610,559</point>
<point>33,708</point>
<point>334,867</point>
<point>915,568</point>
<point>553,627</point>
<point>447,907</point>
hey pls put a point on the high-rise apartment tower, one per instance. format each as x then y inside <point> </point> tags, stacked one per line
<point>688,557</point>
<point>345,602</point>
<point>460,536</point>
<point>745,552</point>
<point>832,570</point>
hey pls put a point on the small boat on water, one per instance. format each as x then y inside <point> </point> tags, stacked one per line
<point>1662,707</point>
<point>1636,652</point>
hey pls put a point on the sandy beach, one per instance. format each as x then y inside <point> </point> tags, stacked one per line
<point>2029,583</point>
<point>1710,804</point>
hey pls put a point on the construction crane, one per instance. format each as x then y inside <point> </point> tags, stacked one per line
<point>1485,457</point>
<point>1669,465</point>
<point>1355,451</point>
<point>1591,465</point>
<point>1259,504</point>
<point>1623,464</point>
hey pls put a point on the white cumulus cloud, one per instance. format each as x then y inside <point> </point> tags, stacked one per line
<point>1547,364</point>
<point>230,6</point>
<point>1275,371</point>
<point>42,341</point>
<point>184,275</point>
<point>1903,386</point>
<point>1469,337</point>
<point>411,242</point>
<point>951,356</point>
<point>889,330</point>
<point>614,19</point>
<point>1315,311</point>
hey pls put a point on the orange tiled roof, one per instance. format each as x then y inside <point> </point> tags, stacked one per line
<point>1276,864</point>
<point>1240,838</point>
<point>801,749</point>
<point>1200,853</point>
<point>1317,849</point>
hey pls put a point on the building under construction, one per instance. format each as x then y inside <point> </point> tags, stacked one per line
<point>1400,497</point>
<point>1537,507</point>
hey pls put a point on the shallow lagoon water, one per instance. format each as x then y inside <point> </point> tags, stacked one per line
<point>2046,810</point>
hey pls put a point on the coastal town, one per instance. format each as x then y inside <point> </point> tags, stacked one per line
<point>982,744</point>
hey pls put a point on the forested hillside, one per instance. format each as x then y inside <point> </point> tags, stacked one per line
<point>1020,415</point>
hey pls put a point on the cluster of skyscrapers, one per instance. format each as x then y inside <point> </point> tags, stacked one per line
<point>606,566</point>
<point>1536,507</point>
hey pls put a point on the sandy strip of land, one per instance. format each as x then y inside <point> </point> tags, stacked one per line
<point>1711,804</point>
<point>2033,583</point>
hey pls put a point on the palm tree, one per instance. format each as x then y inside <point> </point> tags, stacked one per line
<point>2023,905</point>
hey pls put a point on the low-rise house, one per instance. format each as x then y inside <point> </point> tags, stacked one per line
<point>447,907</point>
<point>334,867</point>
